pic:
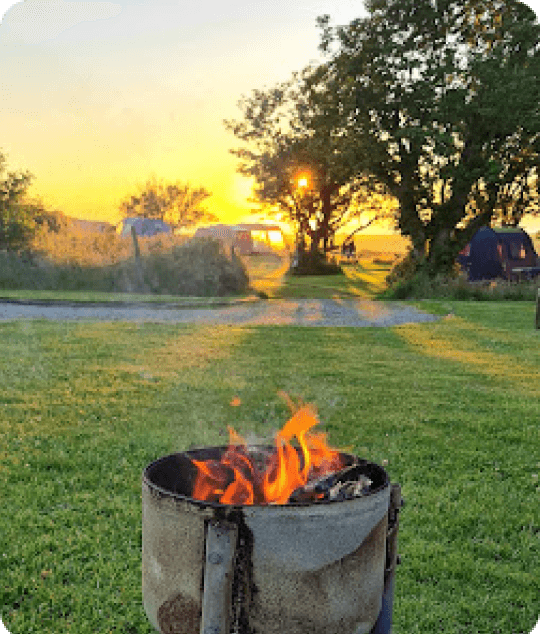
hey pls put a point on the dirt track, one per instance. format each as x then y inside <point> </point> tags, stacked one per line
<point>306,313</point>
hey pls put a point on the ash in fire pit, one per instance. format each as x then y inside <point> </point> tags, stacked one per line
<point>343,484</point>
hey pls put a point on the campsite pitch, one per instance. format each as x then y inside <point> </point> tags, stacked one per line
<point>450,407</point>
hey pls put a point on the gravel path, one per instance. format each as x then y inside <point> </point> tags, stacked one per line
<point>305,313</point>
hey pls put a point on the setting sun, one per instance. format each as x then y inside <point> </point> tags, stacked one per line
<point>101,96</point>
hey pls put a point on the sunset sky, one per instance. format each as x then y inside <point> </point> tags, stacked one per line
<point>98,97</point>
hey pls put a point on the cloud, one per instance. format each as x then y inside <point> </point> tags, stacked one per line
<point>34,21</point>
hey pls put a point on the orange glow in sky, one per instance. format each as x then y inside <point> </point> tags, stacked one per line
<point>98,97</point>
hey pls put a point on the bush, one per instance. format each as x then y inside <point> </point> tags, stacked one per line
<point>403,271</point>
<point>18,271</point>
<point>200,267</point>
<point>105,263</point>
<point>420,286</point>
<point>72,246</point>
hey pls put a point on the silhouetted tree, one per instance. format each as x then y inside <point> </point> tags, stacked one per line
<point>176,203</point>
<point>304,171</point>
<point>439,101</point>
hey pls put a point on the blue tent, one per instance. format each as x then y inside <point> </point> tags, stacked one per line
<point>484,258</point>
<point>500,253</point>
<point>144,227</point>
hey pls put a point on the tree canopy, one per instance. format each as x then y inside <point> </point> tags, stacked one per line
<point>303,170</point>
<point>439,100</point>
<point>177,203</point>
<point>16,217</point>
<point>435,102</point>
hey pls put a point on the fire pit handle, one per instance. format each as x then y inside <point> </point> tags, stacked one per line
<point>384,621</point>
<point>396,502</point>
<point>221,540</point>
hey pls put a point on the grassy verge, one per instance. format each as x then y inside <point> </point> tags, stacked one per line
<point>367,279</point>
<point>267,275</point>
<point>459,288</point>
<point>451,408</point>
<point>120,298</point>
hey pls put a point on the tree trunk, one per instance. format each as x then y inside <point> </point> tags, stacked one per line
<point>537,319</point>
<point>409,222</point>
<point>442,253</point>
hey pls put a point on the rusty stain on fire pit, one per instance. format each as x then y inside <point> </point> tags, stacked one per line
<point>342,596</point>
<point>179,614</point>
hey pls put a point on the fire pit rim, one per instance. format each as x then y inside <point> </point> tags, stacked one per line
<point>226,508</point>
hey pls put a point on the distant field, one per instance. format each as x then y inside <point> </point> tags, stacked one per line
<point>387,244</point>
<point>372,243</point>
<point>397,243</point>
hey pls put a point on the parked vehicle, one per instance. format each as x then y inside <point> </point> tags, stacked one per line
<point>246,239</point>
<point>506,253</point>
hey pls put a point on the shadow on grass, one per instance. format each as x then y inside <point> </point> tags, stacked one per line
<point>363,280</point>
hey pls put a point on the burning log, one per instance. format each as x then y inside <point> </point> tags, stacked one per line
<point>343,484</point>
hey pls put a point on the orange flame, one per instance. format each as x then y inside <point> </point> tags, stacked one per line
<point>236,478</point>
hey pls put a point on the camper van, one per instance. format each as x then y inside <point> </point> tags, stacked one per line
<point>246,239</point>
<point>506,253</point>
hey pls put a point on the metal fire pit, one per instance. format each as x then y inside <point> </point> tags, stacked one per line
<point>312,567</point>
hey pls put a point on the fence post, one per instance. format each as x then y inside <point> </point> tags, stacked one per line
<point>136,248</point>
<point>138,264</point>
<point>538,308</point>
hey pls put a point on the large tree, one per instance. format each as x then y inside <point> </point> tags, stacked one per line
<point>304,171</point>
<point>178,204</point>
<point>439,101</point>
<point>16,217</point>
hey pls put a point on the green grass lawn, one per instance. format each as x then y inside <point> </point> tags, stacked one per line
<point>363,280</point>
<point>451,408</point>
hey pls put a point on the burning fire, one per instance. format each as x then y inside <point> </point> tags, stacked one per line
<point>253,476</point>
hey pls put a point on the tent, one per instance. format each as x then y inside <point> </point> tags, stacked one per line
<point>144,227</point>
<point>500,253</point>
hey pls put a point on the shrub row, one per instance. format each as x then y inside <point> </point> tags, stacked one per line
<point>199,267</point>
<point>420,287</point>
